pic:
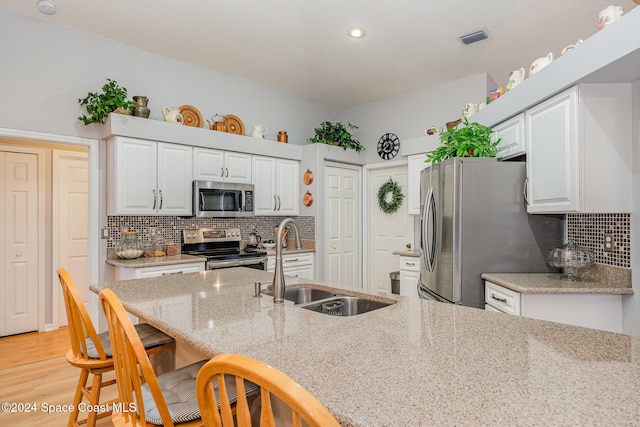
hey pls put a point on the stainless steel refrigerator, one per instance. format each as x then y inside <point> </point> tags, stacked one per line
<point>473,220</point>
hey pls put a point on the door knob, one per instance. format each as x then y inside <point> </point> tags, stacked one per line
<point>333,246</point>
<point>18,254</point>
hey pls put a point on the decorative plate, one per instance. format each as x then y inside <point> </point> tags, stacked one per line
<point>307,199</point>
<point>191,116</point>
<point>234,124</point>
<point>308,177</point>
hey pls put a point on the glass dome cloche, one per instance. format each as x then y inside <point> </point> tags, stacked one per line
<point>129,247</point>
<point>570,258</point>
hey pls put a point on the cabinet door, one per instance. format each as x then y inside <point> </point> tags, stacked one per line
<point>208,164</point>
<point>409,283</point>
<point>132,176</point>
<point>552,155</point>
<point>237,167</point>
<point>512,137</point>
<point>174,179</point>
<point>415,166</point>
<point>264,183</point>
<point>288,187</point>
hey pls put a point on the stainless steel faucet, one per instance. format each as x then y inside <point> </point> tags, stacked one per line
<point>278,275</point>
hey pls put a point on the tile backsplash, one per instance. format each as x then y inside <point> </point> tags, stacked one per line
<point>588,230</point>
<point>170,227</point>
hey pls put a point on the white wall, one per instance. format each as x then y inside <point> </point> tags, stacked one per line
<point>631,304</point>
<point>46,68</point>
<point>408,115</point>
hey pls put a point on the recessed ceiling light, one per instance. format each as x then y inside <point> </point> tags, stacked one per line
<point>47,7</point>
<point>356,32</point>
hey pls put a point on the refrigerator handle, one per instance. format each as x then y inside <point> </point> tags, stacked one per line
<point>524,191</point>
<point>428,218</point>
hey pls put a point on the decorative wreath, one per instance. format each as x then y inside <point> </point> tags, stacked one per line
<point>396,196</point>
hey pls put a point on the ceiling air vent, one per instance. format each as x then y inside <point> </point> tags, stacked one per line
<point>473,37</point>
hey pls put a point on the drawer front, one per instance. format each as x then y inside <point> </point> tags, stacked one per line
<point>501,298</point>
<point>297,259</point>
<point>410,263</point>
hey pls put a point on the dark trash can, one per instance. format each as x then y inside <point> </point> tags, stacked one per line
<point>395,282</point>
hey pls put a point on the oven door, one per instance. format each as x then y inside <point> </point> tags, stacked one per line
<point>257,263</point>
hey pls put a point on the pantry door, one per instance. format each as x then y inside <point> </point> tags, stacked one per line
<point>71,223</point>
<point>19,242</point>
<point>342,213</point>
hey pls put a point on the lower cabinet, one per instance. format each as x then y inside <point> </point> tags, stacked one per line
<point>409,276</point>
<point>597,311</point>
<point>298,264</point>
<point>144,272</point>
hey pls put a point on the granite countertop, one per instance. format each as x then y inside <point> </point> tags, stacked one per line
<point>155,261</point>
<point>547,283</point>
<point>416,362</point>
<point>409,252</point>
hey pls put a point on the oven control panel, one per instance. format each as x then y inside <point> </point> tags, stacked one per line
<point>203,235</point>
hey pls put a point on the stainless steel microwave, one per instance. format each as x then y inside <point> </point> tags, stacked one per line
<point>222,199</point>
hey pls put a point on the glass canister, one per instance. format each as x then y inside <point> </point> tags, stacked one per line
<point>129,247</point>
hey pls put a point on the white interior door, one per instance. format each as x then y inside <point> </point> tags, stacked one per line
<point>19,232</point>
<point>388,232</point>
<point>342,222</point>
<point>71,222</point>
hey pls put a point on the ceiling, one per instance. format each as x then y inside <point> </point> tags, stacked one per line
<point>301,47</point>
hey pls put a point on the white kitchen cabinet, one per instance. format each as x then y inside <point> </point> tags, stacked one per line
<point>219,165</point>
<point>147,177</point>
<point>123,273</point>
<point>409,276</point>
<point>597,311</point>
<point>512,137</point>
<point>276,186</point>
<point>416,163</point>
<point>578,146</point>
<point>297,264</point>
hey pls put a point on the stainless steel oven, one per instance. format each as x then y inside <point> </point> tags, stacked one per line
<point>221,248</point>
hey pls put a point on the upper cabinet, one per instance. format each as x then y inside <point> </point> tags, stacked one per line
<point>578,146</point>
<point>218,165</point>
<point>512,137</point>
<point>147,177</point>
<point>276,186</point>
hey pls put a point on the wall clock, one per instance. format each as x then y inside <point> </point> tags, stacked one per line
<point>388,146</point>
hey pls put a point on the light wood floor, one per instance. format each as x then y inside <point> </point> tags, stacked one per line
<point>33,369</point>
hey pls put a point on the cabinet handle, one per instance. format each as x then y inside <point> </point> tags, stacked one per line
<point>227,174</point>
<point>221,172</point>
<point>161,198</point>
<point>410,264</point>
<point>175,272</point>
<point>275,203</point>
<point>155,199</point>
<point>504,300</point>
<point>291,260</point>
<point>278,203</point>
<point>524,191</point>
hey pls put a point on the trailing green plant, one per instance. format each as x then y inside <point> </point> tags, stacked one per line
<point>336,134</point>
<point>470,140</point>
<point>99,105</point>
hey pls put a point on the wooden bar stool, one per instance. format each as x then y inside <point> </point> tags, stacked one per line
<point>212,393</point>
<point>92,352</point>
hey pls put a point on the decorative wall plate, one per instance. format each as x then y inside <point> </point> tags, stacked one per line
<point>307,199</point>
<point>308,177</point>
<point>191,116</point>
<point>234,124</point>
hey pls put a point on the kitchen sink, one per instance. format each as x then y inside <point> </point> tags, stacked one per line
<point>345,305</point>
<point>302,295</point>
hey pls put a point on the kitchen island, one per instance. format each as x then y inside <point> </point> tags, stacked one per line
<point>415,362</point>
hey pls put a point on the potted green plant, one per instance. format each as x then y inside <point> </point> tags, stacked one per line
<point>336,134</point>
<point>99,105</point>
<point>470,140</point>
